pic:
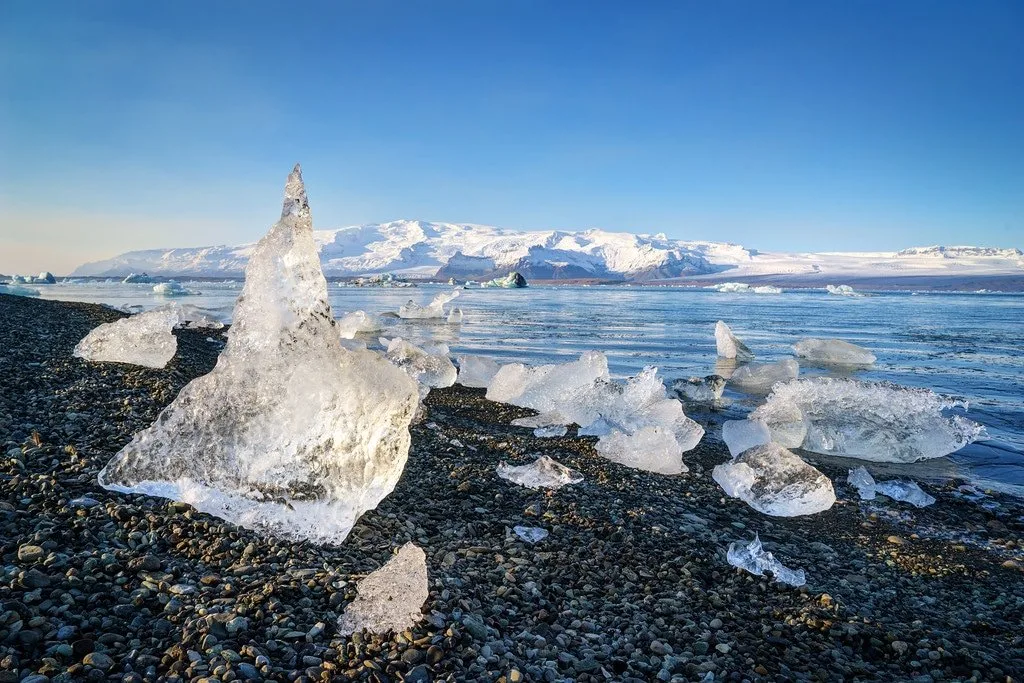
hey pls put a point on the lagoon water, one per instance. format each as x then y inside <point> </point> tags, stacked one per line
<point>968,346</point>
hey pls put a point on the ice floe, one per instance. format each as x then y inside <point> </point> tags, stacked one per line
<point>476,371</point>
<point>144,339</point>
<point>759,378</point>
<point>172,288</point>
<point>876,421</point>
<point>728,345</point>
<point>290,433</point>
<point>833,351</point>
<point>543,472</point>
<point>903,491</point>
<point>18,290</point>
<point>511,281</point>
<point>753,558</point>
<point>390,598</point>
<point>775,481</point>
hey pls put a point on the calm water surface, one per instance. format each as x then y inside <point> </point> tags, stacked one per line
<point>964,345</point>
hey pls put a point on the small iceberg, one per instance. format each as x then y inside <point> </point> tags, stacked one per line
<point>842,290</point>
<point>172,288</point>
<point>903,491</point>
<point>742,435</point>
<point>137,279</point>
<point>759,378</point>
<point>145,339</point>
<point>731,287</point>
<point>476,371</point>
<point>775,481</point>
<point>752,557</point>
<point>391,598</point>
<point>728,345</point>
<point>542,473</point>
<point>511,281</point>
<point>833,352</point>
<point>434,310</point>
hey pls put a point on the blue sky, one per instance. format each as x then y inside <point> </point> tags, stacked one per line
<point>779,125</point>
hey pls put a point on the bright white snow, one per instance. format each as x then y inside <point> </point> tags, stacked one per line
<point>142,339</point>
<point>390,598</point>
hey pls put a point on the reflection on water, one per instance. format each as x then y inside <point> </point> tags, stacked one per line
<point>968,346</point>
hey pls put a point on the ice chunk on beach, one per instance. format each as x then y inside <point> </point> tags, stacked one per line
<point>740,435</point>
<point>357,322</point>
<point>542,420</point>
<point>904,491</point>
<point>144,339</point>
<point>290,433</point>
<point>842,290</point>
<point>565,387</point>
<point>775,481</point>
<point>729,346</point>
<point>759,378</point>
<point>530,534</point>
<point>434,370</point>
<point>877,421</point>
<point>833,351</point>
<point>699,389</point>
<point>390,598</point>
<point>752,557</point>
<point>550,431</point>
<point>435,309</point>
<point>652,449</point>
<point>541,473</point>
<point>476,371</point>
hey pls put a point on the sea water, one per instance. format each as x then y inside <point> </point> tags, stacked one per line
<point>968,346</point>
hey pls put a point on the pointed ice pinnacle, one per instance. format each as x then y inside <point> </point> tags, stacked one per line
<point>290,433</point>
<point>729,346</point>
<point>391,598</point>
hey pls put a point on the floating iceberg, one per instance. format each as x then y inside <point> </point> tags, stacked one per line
<point>774,481</point>
<point>18,290</point>
<point>728,344</point>
<point>833,352</point>
<point>413,311</point>
<point>172,288</point>
<point>476,371</point>
<point>731,287</point>
<point>740,435</point>
<point>842,290</point>
<point>759,378</point>
<point>137,278</point>
<point>699,389</point>
<point>903,491</point>
<point>767,289</point>
<point>876,421</point>
<point>530,534</point>
<point>144,339</point>
<point>751,557</point>
<point>290,433</point>
<point>431,370</point>
<point>541,473</point>
<point>511,281</point>
<point>357,322</point>
<point>390,598</point>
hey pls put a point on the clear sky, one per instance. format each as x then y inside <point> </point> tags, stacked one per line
<point>779,125</point>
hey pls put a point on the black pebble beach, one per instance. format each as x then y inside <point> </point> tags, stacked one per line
<point>632,583</point>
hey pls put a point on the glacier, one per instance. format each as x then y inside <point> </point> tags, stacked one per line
<point>775,481</point>
<point>390,598</point>
<point>290,433</point>
<point>875,421</point>
<point>144,339</point>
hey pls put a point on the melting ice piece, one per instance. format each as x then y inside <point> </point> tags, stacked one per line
<point>455,316</point>
<point>542,420</point>
<point>550,431</point>
<point>476,371</point>
<point>143,339</point>
<point>751,557</point>
<point>390,598</point>
<point>413,311</point>
<point>652,449</point>
<point>739,435</point>
<point>432,370</point>
<point>759,378</point>
<point>842,290</point>
<point>774,481</point>
<point>290,433</point>
<point>833,351</point>
<point>876,421</point>
<point>530,534</point>
<point>699,389</point>
<point>511,281</point>
<point>193,318</point>
<point>904,491</point>
<point>728,345</point>
<point>541,473</point>
<point>566,387</point>
<point>355,322</point>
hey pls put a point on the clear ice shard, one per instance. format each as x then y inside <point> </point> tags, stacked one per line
<point>476,371</point>
<point>542,473</point>
<point>903,491</point>
<point>833,352</point>
<point>290,433</point>
<point>357,322</point>
<point>550,431</point>
<point>728,344</point>
<point>752,557</point>
<point>699,389</point>
<point>740,435</point>
<point>774,481</point>
<point>144,339</point>
<point>433,370</point>
<point>759,378</point>
<point>390,598</point>
<point>435,309</point>
<point>530,534</point>
<point>876,421</point>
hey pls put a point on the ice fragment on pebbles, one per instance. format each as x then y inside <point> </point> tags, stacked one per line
<point>390,598</point>
<point>476,371</point>
<point>876,421</point>
<point>752,557</point>
<point>543,472</point>
<point>774,481</point>
<point>729,346</point>
<point>144,339</point>
<point>740,435</point>
<point>435,309</point>
<point>433,370</point>
<point>290,433</point>
<point>550,387</point>
<point>759,378</point>
<point>542,420</point>
<point>530,534</point>
<point>903,491</point>
<point>833,352</point>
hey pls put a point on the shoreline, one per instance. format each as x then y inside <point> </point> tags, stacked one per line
<point>631,584</point>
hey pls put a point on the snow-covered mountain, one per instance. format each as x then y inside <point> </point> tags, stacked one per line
<point>424,249</point>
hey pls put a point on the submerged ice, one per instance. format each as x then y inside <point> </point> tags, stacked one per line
<point>729,346</point>
<point>774,481</point>
<point>144,339</point>
<point>390,598</point>
<point>903,491</point>
<point>753,558</point>
<point>290,433</point>
<point>876,421</point>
